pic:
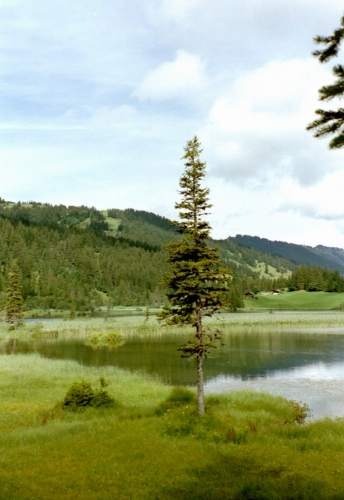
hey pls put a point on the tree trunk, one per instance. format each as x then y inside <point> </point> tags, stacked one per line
<point>200,359</point>
<point>200,386</point>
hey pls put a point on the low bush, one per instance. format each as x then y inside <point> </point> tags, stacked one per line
<point>108,340</point>
<point>300,412</point>
<point>81,395</point>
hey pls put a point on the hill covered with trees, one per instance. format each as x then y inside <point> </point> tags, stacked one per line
<point>80,258</point>
<point>83,259</point>
<point>320,256</point>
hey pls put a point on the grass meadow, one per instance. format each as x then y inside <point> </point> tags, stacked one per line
<point>248,446</point>
<point>297,301</point>
<point>149,446</point>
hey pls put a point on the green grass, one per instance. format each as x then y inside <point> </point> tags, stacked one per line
<point>112,223</point>
<point>296,301</point>
<point>265,301</point>
<point>247,447</point>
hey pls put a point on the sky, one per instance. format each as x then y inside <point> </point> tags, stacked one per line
<point>98,98</point>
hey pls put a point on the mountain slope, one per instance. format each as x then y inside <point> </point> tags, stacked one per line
<point>321,256</point>
<point>79,258</point>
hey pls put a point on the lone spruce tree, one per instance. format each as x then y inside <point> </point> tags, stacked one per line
<point>14,297</point>
<point>196,282</point>
<point>331,122</point>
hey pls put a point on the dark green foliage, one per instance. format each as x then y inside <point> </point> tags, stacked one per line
<point>81,395</point>
<point>315,279</point>
<point>101,399</point>
<point>197,280</point>
<point>144,217</point>
<point>14,296</point>
<point>43,214</point>
<point>78,269</point>
<point>145,227</point>
<point>331,122</point>
<point>69,261</point>
<point>235,299</point>
<point>98,223</point>
<point>332,258</point>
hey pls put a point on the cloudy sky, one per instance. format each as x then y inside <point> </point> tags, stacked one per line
<point>97,99</point>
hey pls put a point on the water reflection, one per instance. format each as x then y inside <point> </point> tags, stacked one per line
<point>243,355</point>
<point>299,366</point>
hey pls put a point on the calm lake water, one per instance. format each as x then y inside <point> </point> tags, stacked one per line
<point>301,366</point>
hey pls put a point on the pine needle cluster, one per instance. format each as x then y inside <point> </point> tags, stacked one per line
<point>331,122</point>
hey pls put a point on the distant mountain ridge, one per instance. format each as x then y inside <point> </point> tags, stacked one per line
<point>321,255</point>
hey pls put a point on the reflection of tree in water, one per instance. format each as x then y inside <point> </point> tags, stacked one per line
<point>242,355</point>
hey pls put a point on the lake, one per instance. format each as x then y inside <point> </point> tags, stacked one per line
<point>301,366</point>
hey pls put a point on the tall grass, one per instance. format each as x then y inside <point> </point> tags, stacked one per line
<point>127,326</point>
<point>249,445</point>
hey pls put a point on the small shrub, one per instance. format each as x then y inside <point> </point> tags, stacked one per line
<point>111,340</point>
<point>102,398</point>
<point>300,412</point>
<point>81,395</point>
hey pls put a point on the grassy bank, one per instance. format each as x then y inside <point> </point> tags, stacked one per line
<point>248,445</point>
<point>297,301</point>
<point>138,325</point>
<point>284,301</point>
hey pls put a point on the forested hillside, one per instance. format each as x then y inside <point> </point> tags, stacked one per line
<point>320,256</point>
<point>79,258</point>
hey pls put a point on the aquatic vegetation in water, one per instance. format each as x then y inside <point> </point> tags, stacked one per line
<point>109,340</point>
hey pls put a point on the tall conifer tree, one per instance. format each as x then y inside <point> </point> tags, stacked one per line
<point>14,296</point>
<point>197,281</point>
<point>331,122</point>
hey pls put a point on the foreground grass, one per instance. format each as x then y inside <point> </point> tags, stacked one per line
<point>249,446</point>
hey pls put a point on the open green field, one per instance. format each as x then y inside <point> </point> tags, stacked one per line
<point>297,301</point>
<point>249,446</point>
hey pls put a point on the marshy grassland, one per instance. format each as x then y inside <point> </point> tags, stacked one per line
<point>249,445</point>
<point>134,323</point>
<point>151,444</point>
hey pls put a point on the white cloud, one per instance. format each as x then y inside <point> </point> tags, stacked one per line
<point>321,201</point>
<point>71,130</point>
<point>174,79</point>
<point>180,9</point>
<point>256,130</point>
